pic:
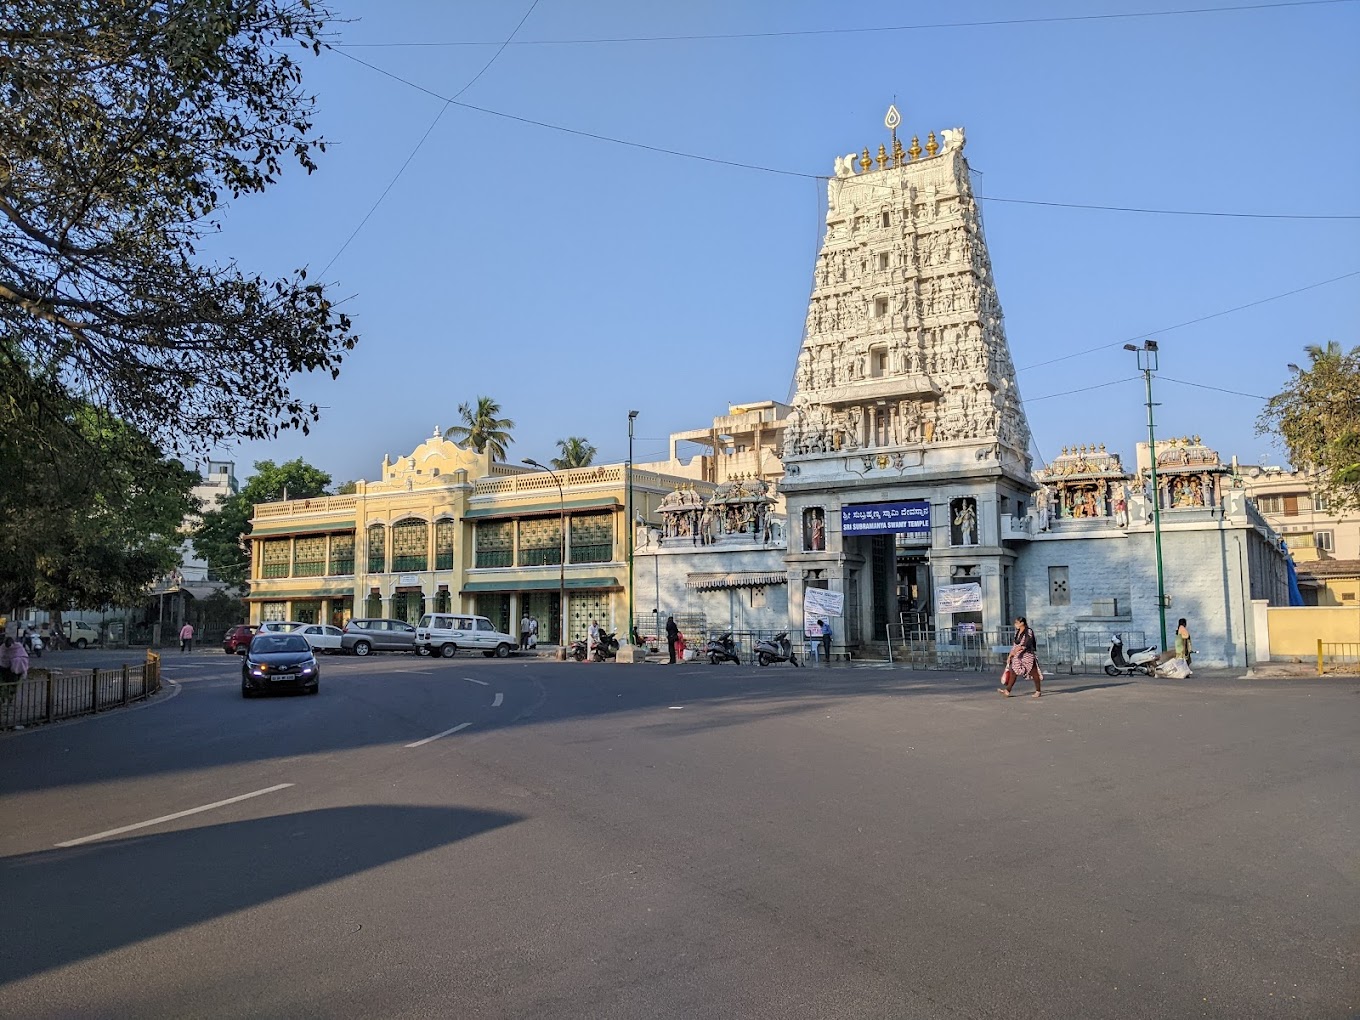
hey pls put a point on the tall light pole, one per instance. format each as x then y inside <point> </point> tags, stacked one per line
<point>1147,364</point>
<point>628,510</point>
<point>561,562</point>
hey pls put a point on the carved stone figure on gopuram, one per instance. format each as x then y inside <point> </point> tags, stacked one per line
<point>904,344</point>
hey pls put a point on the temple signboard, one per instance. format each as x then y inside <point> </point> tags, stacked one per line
<point>909,517</point>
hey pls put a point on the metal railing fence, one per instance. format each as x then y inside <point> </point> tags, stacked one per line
<point>1337,656</point>
<point>1071,649</point>
<point>47,695</point>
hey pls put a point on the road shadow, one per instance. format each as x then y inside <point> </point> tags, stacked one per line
<point>1086,687</point>
<point>65,905</point>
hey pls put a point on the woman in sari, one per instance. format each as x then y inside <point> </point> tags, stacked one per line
<point>1022,659</point>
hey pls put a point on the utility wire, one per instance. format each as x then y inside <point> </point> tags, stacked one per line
<point>1190,322</point>
<point>1176,212</point>
<point>925,26</point>
<point>1206,386</point>
<point>613,140</point>
<point>1083,389</point>
<point>448,101</point>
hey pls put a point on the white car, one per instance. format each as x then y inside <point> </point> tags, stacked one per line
<point>321,637</point>
<point>280,626</point>
<point>446,633</point>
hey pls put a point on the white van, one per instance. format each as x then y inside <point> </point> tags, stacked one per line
<point>445,633</point>
<point>79,634</point>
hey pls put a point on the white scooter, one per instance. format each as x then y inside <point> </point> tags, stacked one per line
<point>1123,662</point>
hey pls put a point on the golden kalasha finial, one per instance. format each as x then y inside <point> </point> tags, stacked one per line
<point>864,161</point>
<point>932,146</point>
<point>915,151</point>
<point>1197,440</point>
<point>898,156</point>
<point>882,157</point>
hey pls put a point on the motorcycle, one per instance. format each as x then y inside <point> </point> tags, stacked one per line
<point>607,647</point>
<point>722,649</point>
<point>776,649</point>
<point>1124,662</point>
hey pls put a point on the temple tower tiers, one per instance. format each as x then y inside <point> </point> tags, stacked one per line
<point>905,394</point>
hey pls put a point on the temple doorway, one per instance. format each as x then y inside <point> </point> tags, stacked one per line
<point>914,587</point>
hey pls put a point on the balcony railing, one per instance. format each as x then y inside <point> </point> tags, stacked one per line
<point>341,567</point>
<point>400,563</point>
<point>602,553</point>
<point>309,568</point>
<point>495,558</point>
<point>443,561</point>
<point>317,505</point>
<point>274,570</point>
<point>540,557</point>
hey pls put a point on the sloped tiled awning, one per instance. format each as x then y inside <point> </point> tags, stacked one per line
<point>735,579</point>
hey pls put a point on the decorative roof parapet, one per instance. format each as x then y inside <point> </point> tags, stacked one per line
<point>1080,462</point>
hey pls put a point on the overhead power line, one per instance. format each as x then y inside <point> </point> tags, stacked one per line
<point>717,161</point>
<point>796,33</point>
<point>1083,389</point>
<point>1190,322</point>
<point>412,155</point>
<point>1206,386</point>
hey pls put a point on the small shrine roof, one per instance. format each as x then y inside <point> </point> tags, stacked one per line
<point>1080,463</point>
<point>1187,455</point>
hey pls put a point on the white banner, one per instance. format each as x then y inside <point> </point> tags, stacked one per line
<point>958,598</point>
<point>822,602</point>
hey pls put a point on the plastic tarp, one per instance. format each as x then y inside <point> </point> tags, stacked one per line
<point>1295,596</point>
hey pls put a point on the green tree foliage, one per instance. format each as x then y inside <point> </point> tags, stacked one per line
<point>1318,417</point>
<point>127,127</point>
<point>482,429</point>
<point>576,452</point>
<point>219,537</point>
<point>81,529</point>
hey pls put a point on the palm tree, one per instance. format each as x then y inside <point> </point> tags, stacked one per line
<point>481,429</point>
<point>576,453</point>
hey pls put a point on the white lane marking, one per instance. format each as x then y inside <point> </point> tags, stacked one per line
<point>451,729</point>
<point>498,700</point>
<point>170,818</point>
<point>479,683</point>
<point>676,708</point>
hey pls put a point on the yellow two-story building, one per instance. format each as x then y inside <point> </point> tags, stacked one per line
<point>447,528</point>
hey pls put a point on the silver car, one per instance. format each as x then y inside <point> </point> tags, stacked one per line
<point>364,636</point>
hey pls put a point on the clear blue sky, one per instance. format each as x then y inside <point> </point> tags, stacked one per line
<point>572,279</point>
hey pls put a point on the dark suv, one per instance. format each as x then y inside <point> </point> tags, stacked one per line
<point>364,636</point>
<point>238,638</point>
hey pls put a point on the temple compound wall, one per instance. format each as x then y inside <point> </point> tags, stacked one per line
<point>1087,557</point>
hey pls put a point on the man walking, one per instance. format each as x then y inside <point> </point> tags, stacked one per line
<point>826,640</point>
<point>672,636</point>
<point>592,641</point>
<point>533,632</point>
<point>186,637</point>
<point>524,630</point>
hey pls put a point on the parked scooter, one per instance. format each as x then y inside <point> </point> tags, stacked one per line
<point>1124,662</point>
<point>776,649</point>
<point>607,647</point>
<point>722,649</point>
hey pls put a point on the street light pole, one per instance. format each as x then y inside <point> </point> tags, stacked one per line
<point>561,562</point>
<point>1147,364</point>
<point>632,631</point>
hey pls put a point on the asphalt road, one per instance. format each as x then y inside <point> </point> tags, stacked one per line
<point>603,841</point>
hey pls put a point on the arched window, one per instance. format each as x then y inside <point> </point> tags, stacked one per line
<point>377,549</point>
<point>444,533</point>
<point>410,545</point>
